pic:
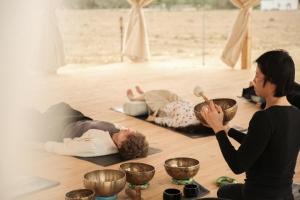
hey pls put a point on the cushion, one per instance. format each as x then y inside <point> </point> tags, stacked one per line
<point>135,108</point>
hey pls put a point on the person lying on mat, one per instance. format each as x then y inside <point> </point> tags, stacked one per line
<point>269,151</point>
<point>166,108</point>
<point>67,131</point>
<point>293,96</point>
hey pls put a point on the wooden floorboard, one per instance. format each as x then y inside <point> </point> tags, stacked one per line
<point>96,89</point>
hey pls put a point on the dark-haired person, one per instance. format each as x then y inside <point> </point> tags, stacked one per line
<point>67,131</point>
<point>268,152</point>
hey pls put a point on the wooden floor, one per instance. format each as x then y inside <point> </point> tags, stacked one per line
<point>95,89</point>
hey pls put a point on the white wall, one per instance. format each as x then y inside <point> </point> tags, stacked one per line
<point>279,5</point>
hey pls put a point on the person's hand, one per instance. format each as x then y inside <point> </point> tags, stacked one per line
<point>213,115</point>
<point>150,118</point>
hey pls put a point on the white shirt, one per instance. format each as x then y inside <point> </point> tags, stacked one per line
<point>92,143</point>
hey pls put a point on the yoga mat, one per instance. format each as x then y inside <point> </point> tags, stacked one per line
<point>113,158</point>
<point>194,131</point>
<point>26,185</point>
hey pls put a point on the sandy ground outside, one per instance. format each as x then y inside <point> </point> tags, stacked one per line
<point>92,37</point>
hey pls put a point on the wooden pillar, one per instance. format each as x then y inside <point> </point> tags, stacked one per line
<point>246,50</point>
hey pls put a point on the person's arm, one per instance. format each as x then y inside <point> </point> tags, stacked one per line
<point>104,126</point>
<point>252,146</point>
<point>236,135</point>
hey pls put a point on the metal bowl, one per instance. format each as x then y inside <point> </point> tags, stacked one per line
<point>138,173</point>
<point>81,194</point>
<point>107,182</point>
<point>182,168</point>
<point>229,107</point>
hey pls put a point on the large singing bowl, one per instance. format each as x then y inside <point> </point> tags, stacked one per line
<point>107,182</point>
<point>229,107</point>
<point>182,168</point>
<point>138,173</point>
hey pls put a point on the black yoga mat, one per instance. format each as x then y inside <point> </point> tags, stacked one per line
<point>113,158</point>
<point>193,131</point>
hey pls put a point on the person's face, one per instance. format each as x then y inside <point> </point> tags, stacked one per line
<point>258,82</point>
<point>122,136</point>
<point>261,88</point>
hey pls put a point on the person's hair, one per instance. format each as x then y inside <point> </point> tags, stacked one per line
<point>134,146</point>
<point>278,68</point>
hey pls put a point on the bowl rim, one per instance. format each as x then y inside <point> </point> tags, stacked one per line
<point>153,170</point>
<point>98,170</point>
<point>197,165</point>
<point>79,190</point>
<point>235,103</point>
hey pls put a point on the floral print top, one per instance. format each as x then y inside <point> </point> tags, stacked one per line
<point>177,114</point>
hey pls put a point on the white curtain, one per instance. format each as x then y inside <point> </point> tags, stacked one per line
<point>235,42</point>
<point>50,55</point>
<point>136,44</point>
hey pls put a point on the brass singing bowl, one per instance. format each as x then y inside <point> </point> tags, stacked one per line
<point>138,173</point>
<point>81,194</point>
<point>107,182</point>
<point>182,168</point>
<point>229,107</point>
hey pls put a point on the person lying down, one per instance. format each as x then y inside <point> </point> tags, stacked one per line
<point>67,131</point>
<point>166,108</point>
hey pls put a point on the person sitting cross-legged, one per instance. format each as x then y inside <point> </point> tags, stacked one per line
<point>268,152</point>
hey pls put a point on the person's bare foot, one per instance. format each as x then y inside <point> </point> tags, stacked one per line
<point>130,95</point>
<point>139,90</point>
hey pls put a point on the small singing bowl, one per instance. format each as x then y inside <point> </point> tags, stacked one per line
<point>107,182</point>
<point>229,107</point>
<point>182,168</point>
<point>191,190</point>
<point>138,173</point>
<point>81,194</point>
<point>172,194</point>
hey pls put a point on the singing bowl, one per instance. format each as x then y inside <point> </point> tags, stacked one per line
<point>138,173</point>
<point>107,182</point>
<point>229,107</point>
<point>182,168</point>
<point>81,194</point>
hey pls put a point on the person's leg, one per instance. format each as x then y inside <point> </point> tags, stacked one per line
<point>139,90</point>
<point>231,191</point>
<point>288,197</point>
<point>131,97</point>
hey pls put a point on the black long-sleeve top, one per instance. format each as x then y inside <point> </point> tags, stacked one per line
<point>268,152</point>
